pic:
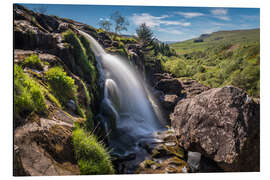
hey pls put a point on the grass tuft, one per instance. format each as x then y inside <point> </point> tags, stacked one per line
<point>61,85</point>
<point>92,156</point>
<point>33,61</point>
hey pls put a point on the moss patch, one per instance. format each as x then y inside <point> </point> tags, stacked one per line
<point>83,65</point>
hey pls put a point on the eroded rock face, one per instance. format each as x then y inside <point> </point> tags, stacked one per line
<point>222,124</point>
<point>192,88</point>
<point>44,147</point>
<point>169,86</point>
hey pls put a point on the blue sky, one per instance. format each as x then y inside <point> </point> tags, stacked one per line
<point>167,23</point>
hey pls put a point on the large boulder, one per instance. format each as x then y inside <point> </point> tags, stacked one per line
<point>222,124</point>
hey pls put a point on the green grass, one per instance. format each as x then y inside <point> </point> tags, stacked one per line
<point>223,58</point>
<point>83,58</point>
<point>92,156</point>
<point>86,92</point>
<point>32,62</point>
<point>28,95</point>
<point>61,85</point>
<point>221,37</point>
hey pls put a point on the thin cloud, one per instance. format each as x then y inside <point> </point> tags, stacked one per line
<point>170,30</point>
<point>154,21</point>
<point>225,18</point>
<point>221,14</point>
<point>190,14</point>
<point>250,17</point>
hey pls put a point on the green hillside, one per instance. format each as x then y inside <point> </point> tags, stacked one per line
<point>238,37</point>
<point>219,59</point>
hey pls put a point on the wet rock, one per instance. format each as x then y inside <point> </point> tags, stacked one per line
<point>223,125</point>
<point>120,158</point>
<point>169,86</point>
<point>115,44</point>
<point>167,165</point>
<point>71,104</point>
<point>168,101</point>
<point>193,161</point>
<point>107,43</point>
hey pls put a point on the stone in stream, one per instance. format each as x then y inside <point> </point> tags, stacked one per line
<point>166,156</point>
<point>193,161</point>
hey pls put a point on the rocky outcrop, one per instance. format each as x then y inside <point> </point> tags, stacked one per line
<point>223,125</point>
<point>44,146</point>
<point>170,90</point>
<point>169,86</point>
<point>192,88</point>
<point>43,143</point>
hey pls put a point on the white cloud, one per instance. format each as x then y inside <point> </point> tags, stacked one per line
<point>190,14</point>
<point>154,21</point>
<point>221,14</point>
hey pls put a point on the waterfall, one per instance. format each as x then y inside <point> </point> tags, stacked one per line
<point>126,105</point>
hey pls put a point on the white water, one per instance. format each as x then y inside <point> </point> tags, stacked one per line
<point>126,100</point>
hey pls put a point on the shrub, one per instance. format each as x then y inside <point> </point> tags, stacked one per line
<point>33,62</point>
<point>91,155</point>
<point>248,79</point>
<point>28,95</point>
<point>128,40</point>
<point>61,85</point>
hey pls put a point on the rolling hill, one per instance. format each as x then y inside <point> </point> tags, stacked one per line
<point>218,59</point>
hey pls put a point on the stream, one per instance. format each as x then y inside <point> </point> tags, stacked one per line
<point>128,109</point>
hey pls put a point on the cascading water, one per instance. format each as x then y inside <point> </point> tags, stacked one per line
<point>126,107</point>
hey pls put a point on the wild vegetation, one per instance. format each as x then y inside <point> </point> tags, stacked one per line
<point>28,95</point>
<point>83,56</point>
<point>222,58</point>
<point>152,49</point>
<point>58,80</point>
<point>92,155</point>
<point>33,62</point>
<point>33,88</point>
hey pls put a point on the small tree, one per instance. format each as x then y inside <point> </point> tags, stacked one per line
<point>105,24</point>
<point>146,37</point>
<point>120,22</point>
